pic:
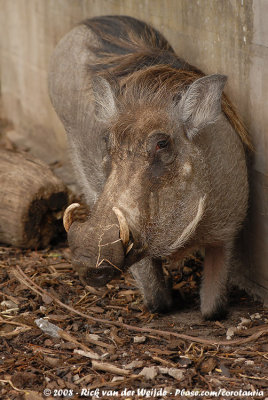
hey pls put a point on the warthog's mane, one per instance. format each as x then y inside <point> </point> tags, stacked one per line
<point>132,54</point>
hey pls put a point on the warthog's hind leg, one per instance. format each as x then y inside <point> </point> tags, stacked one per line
<point>213,292</point>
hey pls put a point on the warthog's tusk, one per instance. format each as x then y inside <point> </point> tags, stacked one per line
<point>190,229</point>
<point>123,226</point>
<point>68,215</point>
<point>129,248</point>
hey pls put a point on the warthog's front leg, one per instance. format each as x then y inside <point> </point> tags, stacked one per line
<point>151,281</point>
<point>213,292</point>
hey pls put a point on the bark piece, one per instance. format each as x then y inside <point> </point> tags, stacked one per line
<point>32,200</point>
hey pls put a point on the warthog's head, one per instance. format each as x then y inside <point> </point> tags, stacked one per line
<point>154,198</point>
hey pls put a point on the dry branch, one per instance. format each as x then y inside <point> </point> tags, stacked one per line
<point>11,384</point>
<point>100,366</point>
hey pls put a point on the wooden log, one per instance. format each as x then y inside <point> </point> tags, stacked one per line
<point>32,201</point>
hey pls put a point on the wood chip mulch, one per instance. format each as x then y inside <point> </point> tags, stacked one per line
<point>59,339</point>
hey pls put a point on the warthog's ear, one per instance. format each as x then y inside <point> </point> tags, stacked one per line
<point>105,103</point>
<point>201,104</point>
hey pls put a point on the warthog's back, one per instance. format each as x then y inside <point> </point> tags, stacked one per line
<point>115,47</point>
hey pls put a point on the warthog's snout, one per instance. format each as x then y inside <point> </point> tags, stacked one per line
<point>99,250</point>
<point>96,276</point>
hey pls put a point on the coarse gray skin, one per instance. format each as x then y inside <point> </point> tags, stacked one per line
<point>176,169</point>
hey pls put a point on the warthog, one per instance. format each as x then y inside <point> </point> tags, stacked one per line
<point>160,155</point>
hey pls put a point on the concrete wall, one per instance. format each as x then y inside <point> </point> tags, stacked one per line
<point>224,36</point>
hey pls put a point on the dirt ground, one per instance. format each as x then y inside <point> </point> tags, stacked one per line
<point>103,343</point>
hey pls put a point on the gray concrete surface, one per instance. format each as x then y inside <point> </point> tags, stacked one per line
<point>224,36</point>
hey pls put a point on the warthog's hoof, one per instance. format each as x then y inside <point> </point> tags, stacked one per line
<point>161,303</point>
<point>220,313</point>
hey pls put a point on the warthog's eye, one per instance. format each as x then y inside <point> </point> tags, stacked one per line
<point>159,147</point>
<point>162,144</point>
<point>161,153</point>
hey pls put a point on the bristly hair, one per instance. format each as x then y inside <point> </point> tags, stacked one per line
<point>130,50</point>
